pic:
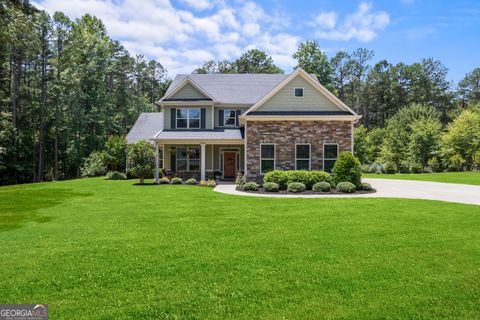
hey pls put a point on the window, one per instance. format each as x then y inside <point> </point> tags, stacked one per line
<point>229,118</point>
<point>302,156</point>
<point>267,157</point>
<point>160,158</point>
<point>188,159</point>
<point>330,154</point>
<point>298,92</point>
<point>188,118</point>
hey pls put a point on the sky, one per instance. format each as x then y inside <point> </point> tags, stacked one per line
<point>182,34</point>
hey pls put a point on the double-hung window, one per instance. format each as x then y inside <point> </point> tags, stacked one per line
<point>188,159</point>
<point>229,118</point>
<point>267,157</point>
<point>330,155</point>
<point>188,118</point>
<point>302,156</point>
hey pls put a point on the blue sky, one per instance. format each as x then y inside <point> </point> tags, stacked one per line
<point>181,34</point>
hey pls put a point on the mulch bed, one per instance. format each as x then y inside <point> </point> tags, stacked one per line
<point>306,192</point>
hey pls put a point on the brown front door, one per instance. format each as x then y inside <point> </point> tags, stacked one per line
<point>229,164</point>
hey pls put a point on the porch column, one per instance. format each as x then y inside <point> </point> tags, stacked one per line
<point>157,156</point>
<point>202,161</point>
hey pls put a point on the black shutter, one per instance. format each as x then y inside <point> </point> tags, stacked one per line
<point>237,122</point>
<point>202,118</point>
<point>173,162</point>
<point>173,118</point>
<point>220,118</point>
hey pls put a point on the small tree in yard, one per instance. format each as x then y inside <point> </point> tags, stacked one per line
<point>142,156</point>
<point>347,168</point>
<point>114,152</point>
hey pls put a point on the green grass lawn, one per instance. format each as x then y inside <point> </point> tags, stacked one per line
<point>95,249</point>
<point>450,177</point>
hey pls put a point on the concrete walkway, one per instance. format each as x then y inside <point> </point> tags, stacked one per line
<point>387,188</point>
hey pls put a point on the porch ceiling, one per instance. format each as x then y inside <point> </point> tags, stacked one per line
<point>235,135</point>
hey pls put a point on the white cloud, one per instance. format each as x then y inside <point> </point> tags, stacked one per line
<point>198,4</point>
<point>362,25</point>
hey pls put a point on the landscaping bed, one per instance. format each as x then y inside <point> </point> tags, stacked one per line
<point>306,192</point>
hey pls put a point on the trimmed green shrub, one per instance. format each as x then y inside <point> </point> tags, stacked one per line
<point>177,180</point>
<point>434,164</point>
<point>191,181</point>
<point>347,168</point>
<point>211,183</point>
<point>302,176</point>
<point>296,187</point>
<point>203,183</point>
<point>115,175</point>
<point>415,167</point>
<point>250,186</point>
<point>163,180</point>
<point>322,187</point>
<point>389,167</point>
<point>271,186</point>
<point>319,176</point>
<point>277,176</point>
<point>93,165</point>
<point>346,187</point>
<point>367,186</point>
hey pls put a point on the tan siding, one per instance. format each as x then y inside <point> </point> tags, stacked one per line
<point>188,92</point>
<point>312,99</point>
<point>208,116</point>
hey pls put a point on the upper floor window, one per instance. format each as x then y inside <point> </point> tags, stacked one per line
<point>298,92</point>
<point>188,118</point>
<point>302,156</point>
<point>229,118</point>
<point>330,155</point>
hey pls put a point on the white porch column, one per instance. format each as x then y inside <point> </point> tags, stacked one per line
<point>156,162</point>
<point>202,161</point>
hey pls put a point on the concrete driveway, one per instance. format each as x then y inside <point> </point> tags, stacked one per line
<point>387,188</point>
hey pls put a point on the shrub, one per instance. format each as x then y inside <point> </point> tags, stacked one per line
<point>476,160</point>
<point>203,183</point>
<point>322,187</point>
<point>177,180</point>
<point>319,176</point>
<point>456,162</point>
<point>434,164</point>
<point>240,180</point>
<point>375,168</point>
<point>302,176</point>
<point>211,183</point>
<point>365,168</point>
<point>93,165</point>
<point>114,152</point>
<point>366,186</point>
<point>346,187</point>
<point>115,175</point>
<point>277,176</point>
<point>296,187</point>
<point>271,186</point>
<point>191,181</point>
<point>415,167</point>
<point>347,169</point>
<point>390,167</point>
<point>142,156</point>
<point>163,180</point>
<point>250,186</point>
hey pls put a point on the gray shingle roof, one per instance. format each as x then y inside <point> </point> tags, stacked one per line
<point>245,88</point>
<point>147,125</point>
<point>201,134</point>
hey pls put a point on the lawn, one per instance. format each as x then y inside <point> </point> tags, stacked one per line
<point>450,177</point>
<point>95,249</point>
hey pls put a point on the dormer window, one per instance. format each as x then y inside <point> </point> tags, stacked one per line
<point>298,92</point>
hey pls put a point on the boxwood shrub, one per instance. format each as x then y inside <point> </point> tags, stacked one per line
<point>271,186</point>
<point>302,176</point>
<point>347,169</point>
<point>163,180</point>
<point>296,187</point>
<point>250,186</point>
<point>322,186</point>
<point>191,181</point>
<point>366,186</point>
<point>177,180</point>
<point>346,187</point>
<point>277,176</point>
<point>319,176</point>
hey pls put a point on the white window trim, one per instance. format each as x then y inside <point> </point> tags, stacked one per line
<point>303,92</point>
<point>234,118</point>
<point>188,118</point>
<point>188,159</point>
<point>309,153</point>
<point>222,150</point>
<point>323,153</point>
<point>274,156</point>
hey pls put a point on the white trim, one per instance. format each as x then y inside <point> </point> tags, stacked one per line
<point>234,125</point>
<point>303,92</point>
<point>187,148</point>
<point>157,176</point>
<point>323,153</point>
<point>244,117</point>
<point>202,161</point>
<point>200,141</point>
<point>309,154</point>
<point>222,162</point>
<point>315,83</point>
<point>274,155</point>
<point>245,150</point>
<point>182,84</point>
<point>188,118</point>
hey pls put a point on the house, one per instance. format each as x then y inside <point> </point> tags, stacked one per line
<point>217,125</point>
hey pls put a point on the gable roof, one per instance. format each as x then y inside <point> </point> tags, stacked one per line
<point>146,127</point>
<point>315,83</point>
<point>244,88</point>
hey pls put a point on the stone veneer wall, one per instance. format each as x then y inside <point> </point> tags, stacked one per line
<point>285,134</point>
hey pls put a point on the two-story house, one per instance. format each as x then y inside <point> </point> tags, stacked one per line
<point>222,124</point>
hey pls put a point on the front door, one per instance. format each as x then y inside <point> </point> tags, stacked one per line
<point>229,164</point>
